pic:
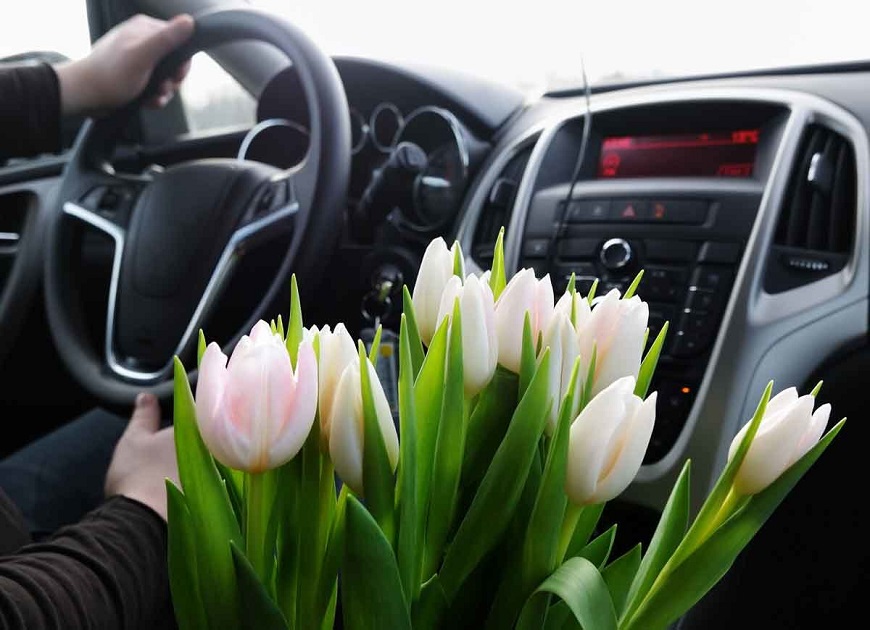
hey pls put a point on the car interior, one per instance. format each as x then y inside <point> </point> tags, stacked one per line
<point>743,195</point>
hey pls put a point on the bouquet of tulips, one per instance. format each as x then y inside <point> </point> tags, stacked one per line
<point>519,417</point>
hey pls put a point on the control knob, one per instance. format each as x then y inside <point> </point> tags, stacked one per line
<point>616,253</point>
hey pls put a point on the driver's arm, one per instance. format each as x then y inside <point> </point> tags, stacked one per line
<point>34,97</point>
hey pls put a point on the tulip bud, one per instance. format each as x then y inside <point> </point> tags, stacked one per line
<point>255,413</point>
<point>337,351</point>
<point>347,433</point>
<point>561,338</point>
<point>523,294</point>
<point>788,429</point>
<point>607,443</point>
<point>479,344</point>
<point>616,329</point>
<point>435,270</point>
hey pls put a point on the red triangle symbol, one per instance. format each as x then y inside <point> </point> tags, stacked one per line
<point>629,212</point>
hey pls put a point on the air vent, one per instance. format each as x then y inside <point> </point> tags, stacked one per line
<point>816,226</point>
<point>497,206</point>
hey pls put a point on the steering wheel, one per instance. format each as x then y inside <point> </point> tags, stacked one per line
<point>178,234</point>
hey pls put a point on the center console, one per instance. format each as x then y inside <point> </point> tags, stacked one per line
<point>673,195</point>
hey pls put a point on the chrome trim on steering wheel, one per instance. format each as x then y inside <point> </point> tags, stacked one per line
<point>227,261</point>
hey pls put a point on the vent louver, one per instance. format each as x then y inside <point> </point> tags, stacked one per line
<point>497,207</point>
<point>817,221</point>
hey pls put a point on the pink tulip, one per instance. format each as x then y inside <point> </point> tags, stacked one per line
<point>255,412</point>
<point>523,294</point>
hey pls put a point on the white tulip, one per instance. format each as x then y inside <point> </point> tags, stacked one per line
<point>523,294</point>
<point>616,329</point>
<point>337,351</point>
<point>788,429</point>
<point>607,443</point>
<point>479,343</point>
<point>347,434</point>
<point>561,338</point>
<point>435,270</point>
<point>582,310</point>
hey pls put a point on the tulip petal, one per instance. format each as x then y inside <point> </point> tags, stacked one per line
<point>436,269</point>
<point>815,429</point>
<point>211,383</point>
<point>296,396</point>
<point>637,435</point>
<point>385,417</point>
<point>510,312</point>
<point>337,351</point>
<point>346,435</point>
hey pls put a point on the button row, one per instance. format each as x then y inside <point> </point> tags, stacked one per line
<point>688,211</point>
<point>706,297</point>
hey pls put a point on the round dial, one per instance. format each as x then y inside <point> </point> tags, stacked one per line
<point>616,253</point>
<point>385,124</point>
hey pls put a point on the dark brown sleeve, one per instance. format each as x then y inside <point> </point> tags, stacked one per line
<point>13,531</point>
<point>30,119</point>
<point>107,571</point>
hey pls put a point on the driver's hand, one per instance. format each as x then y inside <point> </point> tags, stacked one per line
<point>120,64</point>
<point>144,458</point>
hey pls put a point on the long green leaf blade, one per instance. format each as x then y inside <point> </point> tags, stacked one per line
<point>294,322</point>
<point>619,574</point>
<point>667,537</point>
<point>579,584</point>
<point>183,573</point>
<point>598,551</point>
<point>650,361</point>
<point>407,547</point>
<point>259,610</point>
<point>500,490</point>
<point>584,528</point>
<point>417,354</point>
<point>371,589</point>
<point>378,482</point>
<point>449,450</point>
<point>497,280</point>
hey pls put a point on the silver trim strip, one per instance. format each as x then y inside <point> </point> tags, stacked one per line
<point>227,261</point>
<point>262,126</point>
<point>9,238</point>
<point>373,129</point>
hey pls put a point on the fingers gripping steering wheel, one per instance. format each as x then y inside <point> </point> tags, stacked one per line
<point>178,235</point>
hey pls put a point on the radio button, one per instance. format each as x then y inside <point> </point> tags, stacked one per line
<point>536,247</point>
<point>701,299</point>
<point>662,284</point>
<point>677,251</point>
<point>678,211</point>
<point>588,210</point>
<point>578,247</point>
<point>713,278</point>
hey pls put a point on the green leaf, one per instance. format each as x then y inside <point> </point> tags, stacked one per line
<point>817,389</point>
<point>259,610</point>
<point>560,617</point>
<point>183,574</point>
<point>632,288</point>
<point>429,397</point>
<point>212,514</point>
<point>407,547</point>
<point>589,517</point>
<point>681,588</point>
<point>669,532</point>
<point>572,289</point>
<point>294,323</point>
<point>458,261</point>
<point>592,291</point>
<point>497,280</point>
<point>312,545</point>
<point>619,574</point>
<point>650,361</point>
<point>528,354</point>
<point>332,558</point>
<point>541,541</point>
<point>378,483</point>
<point>371,589</point>
<point>499,492</point>
<point>579,584</point>
<point>280,326</point>
<point>449,450</point>
<point>589,381</point>
<point>375,350</point>
<point>200,347</point>
<point>417,354</point>
<point>598,551</point>
<point>486,428</point>
<point>233,480</point>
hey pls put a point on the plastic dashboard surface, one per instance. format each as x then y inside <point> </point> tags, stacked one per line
<point>705,243</point>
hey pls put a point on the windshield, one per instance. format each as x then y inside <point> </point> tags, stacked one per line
<point>536,45</point>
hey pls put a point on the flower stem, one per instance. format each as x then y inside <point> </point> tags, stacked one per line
<point>255,524</point>
<point>569,524</point>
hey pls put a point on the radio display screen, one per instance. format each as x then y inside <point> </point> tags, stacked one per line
<point>713,154</point>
